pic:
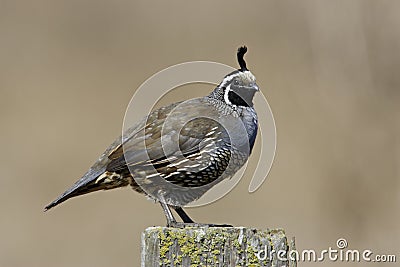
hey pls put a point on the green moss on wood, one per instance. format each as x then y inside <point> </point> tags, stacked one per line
<point>197,247</point>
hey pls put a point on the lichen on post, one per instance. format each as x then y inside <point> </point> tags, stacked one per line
<point>213,246</point>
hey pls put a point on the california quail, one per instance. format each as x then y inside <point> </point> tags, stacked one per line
<point>178,152</point>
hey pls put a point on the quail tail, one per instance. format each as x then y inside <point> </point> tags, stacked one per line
<point>90,182</point>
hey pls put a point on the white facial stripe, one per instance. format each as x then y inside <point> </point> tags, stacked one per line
<point>226,96</point>
<point>228,79</point>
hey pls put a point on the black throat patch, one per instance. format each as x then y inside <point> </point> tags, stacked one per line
<point>241,97</point>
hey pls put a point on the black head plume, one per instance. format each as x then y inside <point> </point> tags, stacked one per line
<point>240,54</point>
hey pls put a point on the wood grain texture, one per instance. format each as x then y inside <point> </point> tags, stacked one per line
<point>213,246</point>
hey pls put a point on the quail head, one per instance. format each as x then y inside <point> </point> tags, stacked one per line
<point>178,152</point>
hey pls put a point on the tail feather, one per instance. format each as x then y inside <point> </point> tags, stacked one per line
<point>65,196</point>
<point>88,183</point>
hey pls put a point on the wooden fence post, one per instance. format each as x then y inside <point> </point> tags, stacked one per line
<point>215,246</point>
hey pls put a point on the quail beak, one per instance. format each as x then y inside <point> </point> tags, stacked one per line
<point>253,86</point>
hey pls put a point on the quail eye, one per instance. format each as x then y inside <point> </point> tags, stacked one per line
<point>236,82</point>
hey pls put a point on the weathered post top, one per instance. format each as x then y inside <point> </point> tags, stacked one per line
<point>214,246</point>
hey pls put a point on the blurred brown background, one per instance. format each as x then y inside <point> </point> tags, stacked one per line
<point>330,71</point>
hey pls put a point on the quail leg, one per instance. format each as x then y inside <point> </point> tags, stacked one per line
<point>171,221</point>
<point>187,221</point>
<point>185,218</point>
